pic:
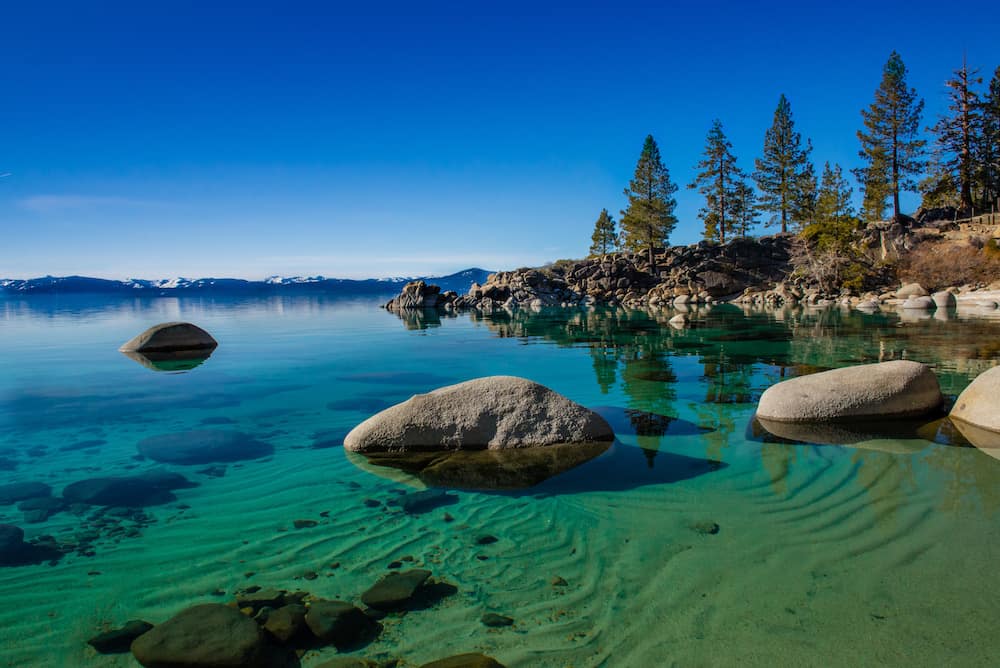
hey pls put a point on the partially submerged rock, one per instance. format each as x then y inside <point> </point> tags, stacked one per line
<point>891,389</point>
<point>118,641</point>
<point>170,337</point>
<point>396,590</point>
<point>339,623</point>
<point>919,304</point>
<point>979,404</point>
<point>419,295</point>
<point>209,635</point>
<point>944,299</point>
<point>496,412</point>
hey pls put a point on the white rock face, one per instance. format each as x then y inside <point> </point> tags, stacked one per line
<point>919,304</point>
<point>944,299</point>
<point>171,337</point>
<point>496,413</point>
<point>890,389</point>
<point>979,403</point>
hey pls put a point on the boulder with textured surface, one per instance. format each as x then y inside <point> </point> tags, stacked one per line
<point>944,299</point>
<point>911,290</point>
<point>338,622</point>
<point>493,413</point>
<point>170,337</point>
<point>887,390</point>
<point>979,403</point>
<point>209,635</point>
<point>919,304</point>
<point>395,590</point>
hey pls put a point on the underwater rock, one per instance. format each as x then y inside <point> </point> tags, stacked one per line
<point>705,528</point>
<point>170,337</point>
<point>41,508</point>
<point>417,503</point>
<point>396,590</point>
<point>493,620</point>
<point>348,662</point>
<point>209,635</point>
<point>21,491</point>
<point>472,660</point>
<point>518,468</point>
<point>203,446</point>
<point>979,403</point>
<point>287,622</point>
<point>339,623</point>
<point>259,598</point>
<point>14,551</point>
<point>149,489</point>
<point>890,389</point>
<point>496,412</point>
<point>118,641</point>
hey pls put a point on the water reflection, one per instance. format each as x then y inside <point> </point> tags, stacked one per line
<point>177,361</point>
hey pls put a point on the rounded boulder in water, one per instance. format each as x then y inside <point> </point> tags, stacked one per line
<point>170,337</point>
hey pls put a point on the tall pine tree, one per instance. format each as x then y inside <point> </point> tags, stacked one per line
<point>784,175</point>
<point>605,236</point>
<point>889,142</point>
<point>649,218</point>
<point>956,132</point>
<point>987,147</point>
<point>717,182</point>
<point>745,212</point>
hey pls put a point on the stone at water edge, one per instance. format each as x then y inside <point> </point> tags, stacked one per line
<point>286,622</point>
<point>979,403</point>
<point>338,622</point>
<point>911,290</point>
<point>891,389</point>
<point>472,660</point>
<point>170,337</point>
<point>496,412</point>
<point>209,635</point>
<point>919,304</point>
<point>944,299</point>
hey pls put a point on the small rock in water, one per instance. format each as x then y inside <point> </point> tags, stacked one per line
<point>472,660</point>
<point>418,503</point>
<point>372,503</point>
<point>204,635</point>
<point>305,524</point>
<point>286,622</point>
<point>338,622</point>
<point>494,620</point>
<point>257,598</point>
<point>486,540</point>
<point>118,641</point>
<point>706,528</point>
<point>558,582</point>
<point>395,564</point>
<point>396,590</point>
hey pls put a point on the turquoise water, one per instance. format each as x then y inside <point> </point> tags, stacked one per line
<point>879,550</point>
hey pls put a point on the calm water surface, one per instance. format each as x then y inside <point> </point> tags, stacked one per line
<point>870,545</point>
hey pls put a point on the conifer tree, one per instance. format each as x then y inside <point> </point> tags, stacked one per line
<point>987,146</point>
<point>649,218</point>
<point>784,174</point>
<point>833,201</point>
<point>956,132</point>
<point>745,211</point>
<point>605,236</point>
<point>717,182</point>
<point>889,142</point>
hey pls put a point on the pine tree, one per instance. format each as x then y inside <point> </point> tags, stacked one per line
<point>745,211</point>
<point>987,147</point>
<point>829,247</point>
<point>717,182</point>
<point>833,201</point>
<point>956,132</point>
<point>874,187</point>
<point>889,143</point>
<point>783,172</point>
<point>605,236</point>
<point>649,218</point>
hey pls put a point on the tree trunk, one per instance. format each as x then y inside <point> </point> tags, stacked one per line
<point>652,255</point>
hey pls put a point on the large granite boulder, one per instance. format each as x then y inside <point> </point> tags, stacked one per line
<point>919,304</point>
<point>979,403</point>
<point>887,390</point>
<point>170,337</point>
<point>208,635</point>
<point>911,290</point>
<point>495,413</point>
<point>418,295</point>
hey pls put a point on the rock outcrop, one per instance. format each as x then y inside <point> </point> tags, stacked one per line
<point>494,413</point>
<point>888,390</point>
<point>420,295</point>
<point>979,403</point>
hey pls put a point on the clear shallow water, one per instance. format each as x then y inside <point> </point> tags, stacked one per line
<point>879,552</point>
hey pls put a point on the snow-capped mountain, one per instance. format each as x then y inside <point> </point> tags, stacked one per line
<point>458,282</point>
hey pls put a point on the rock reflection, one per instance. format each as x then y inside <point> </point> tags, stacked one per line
<point>893,436</point>
<point>177,361</point>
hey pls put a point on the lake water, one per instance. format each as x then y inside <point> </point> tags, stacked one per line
<point>696,539</point>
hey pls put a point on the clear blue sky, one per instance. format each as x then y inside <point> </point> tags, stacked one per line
<point>378,139</point>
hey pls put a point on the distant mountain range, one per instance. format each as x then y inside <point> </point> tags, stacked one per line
<point>459,282</point>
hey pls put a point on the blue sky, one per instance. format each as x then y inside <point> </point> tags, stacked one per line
<point>374,139</point>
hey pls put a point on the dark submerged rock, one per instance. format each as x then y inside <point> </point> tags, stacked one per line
<point>203,446</point>
<point>493,620</point>
<point>148,489</point>
<point>20,491</point>
<point>14,551</point>
<point>417,503</point>
<point>209,635</point>
<point>339,623</point>
<point>287,623</point>
<point>118,641</point>
<point>395,591</point>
